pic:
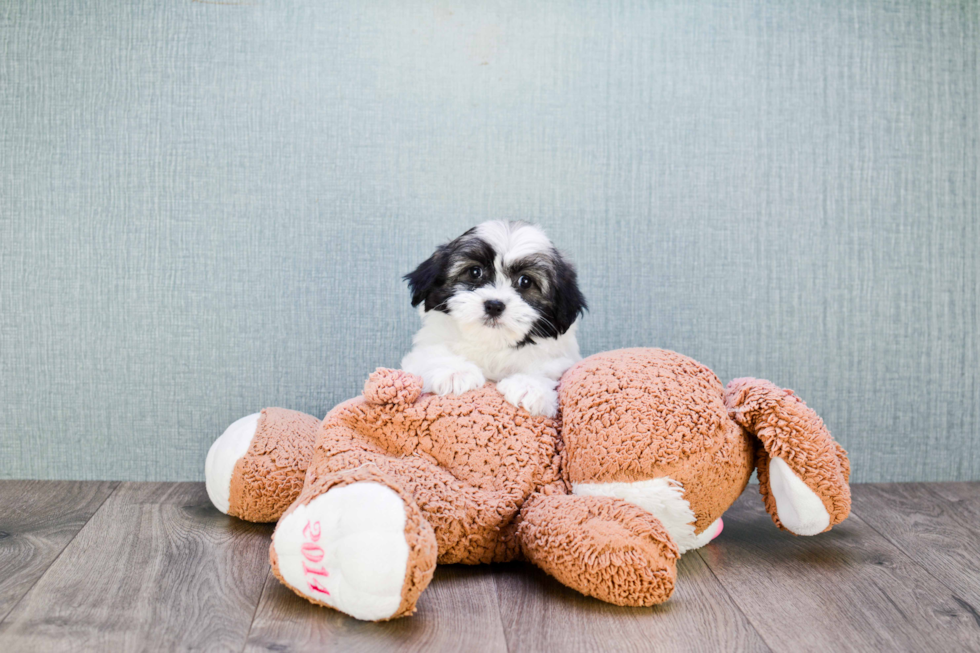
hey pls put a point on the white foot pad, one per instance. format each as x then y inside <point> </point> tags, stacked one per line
<point>800,510</point>
<point>662,497</point>
<point>224,455</point>
<point>347,548</point>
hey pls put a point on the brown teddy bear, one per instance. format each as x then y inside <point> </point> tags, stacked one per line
<point>648,452</point>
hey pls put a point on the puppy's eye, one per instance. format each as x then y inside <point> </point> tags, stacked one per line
<point>524,282</point>
<point>476,272</point>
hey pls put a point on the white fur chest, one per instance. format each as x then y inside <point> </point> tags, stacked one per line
<point>495,353</point>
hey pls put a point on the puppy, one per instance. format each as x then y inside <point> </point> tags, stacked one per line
<point>499,303</point>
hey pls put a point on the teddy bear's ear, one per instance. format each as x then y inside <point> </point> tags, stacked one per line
<point>387,386</point>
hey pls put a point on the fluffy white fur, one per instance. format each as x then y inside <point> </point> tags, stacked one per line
<point>664,499</point>
<point>458,351</point>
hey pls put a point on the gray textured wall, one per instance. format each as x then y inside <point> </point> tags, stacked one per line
<point>206,208</point>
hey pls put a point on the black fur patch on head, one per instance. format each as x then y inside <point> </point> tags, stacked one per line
<point>560,305</point>
<point>436,279</point>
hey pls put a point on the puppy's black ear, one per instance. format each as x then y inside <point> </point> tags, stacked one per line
<point>566,298</point>
<point>427,277</point>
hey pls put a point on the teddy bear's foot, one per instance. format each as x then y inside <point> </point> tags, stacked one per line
<point>223,455</point>
<point>255,469</point>
<point>803,472</point>
<point>601,546</point>
<point>361,547</point>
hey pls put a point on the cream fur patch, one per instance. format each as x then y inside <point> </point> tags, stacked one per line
<point>347,548</point>
<point>799,508</point>
<point>662,497</point>
<point>224,455</point>
<point>514,240</point>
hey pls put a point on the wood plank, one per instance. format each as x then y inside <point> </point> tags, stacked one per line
<point>966,496</point>
<point>457,612</point>
<point>156,567</point>
<point>849,589</point>
<point>933,525</point>
<point>541,614</point>
<point>37,521</point>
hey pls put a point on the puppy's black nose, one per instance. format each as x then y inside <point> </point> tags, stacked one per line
<point>494,307</point>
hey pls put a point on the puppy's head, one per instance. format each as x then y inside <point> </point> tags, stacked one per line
<point>503,277</point>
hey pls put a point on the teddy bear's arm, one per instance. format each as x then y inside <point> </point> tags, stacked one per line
<point>601,546</point>
<point>803,472</point>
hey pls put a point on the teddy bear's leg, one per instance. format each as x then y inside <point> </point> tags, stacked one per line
<point>471,524</point>
<point>255,470</point>
<point>357,542</point>
<point>601,546</point>
<point>665,500</point>
<point>803,472</point>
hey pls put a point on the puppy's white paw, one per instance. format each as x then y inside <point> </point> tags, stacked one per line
<point>536,394</point>
<point>454,380</point>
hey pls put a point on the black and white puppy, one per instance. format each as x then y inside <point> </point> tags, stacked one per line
<point>499,303</point>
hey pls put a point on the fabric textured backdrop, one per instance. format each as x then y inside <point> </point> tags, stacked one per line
<point>207,208</point>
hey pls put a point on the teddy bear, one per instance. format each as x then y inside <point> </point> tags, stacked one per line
<point>646,454</point>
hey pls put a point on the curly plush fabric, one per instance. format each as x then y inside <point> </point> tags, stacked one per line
<point>790,430</point>
<point>637,414</point>
<point>392,387</point>
<point>269,477</point>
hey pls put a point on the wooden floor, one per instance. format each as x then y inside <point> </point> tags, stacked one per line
<point>153,566</point>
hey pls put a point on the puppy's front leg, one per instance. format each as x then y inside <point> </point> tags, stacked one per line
<point>442,371</point>
<point>535,393</point>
